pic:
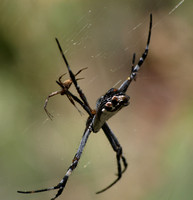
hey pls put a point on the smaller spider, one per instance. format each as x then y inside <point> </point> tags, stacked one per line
<point>65,85</point>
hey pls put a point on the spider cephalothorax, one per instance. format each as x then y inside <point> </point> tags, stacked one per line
<point>107,106</point>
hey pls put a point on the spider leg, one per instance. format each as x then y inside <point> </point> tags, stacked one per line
<point>72,102</point>
<point>144,55</point>
<point>136,68</point>
<point>118,149</point>
<point>59,79</point>
<point>79,79</point>
<point>37,191</point>
<point>115,144</point>
<point>133,64</point>
<point>46,102</point>
<point>74,164</point>
<point>80,71</point>
<point>133,60</point>
<point>72,76</point>
<point>75,98</point>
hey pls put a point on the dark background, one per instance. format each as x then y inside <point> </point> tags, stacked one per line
<point>155,130</point>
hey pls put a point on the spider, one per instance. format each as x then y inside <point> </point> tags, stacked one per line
<point>106,106</point>
<point>64,91</point>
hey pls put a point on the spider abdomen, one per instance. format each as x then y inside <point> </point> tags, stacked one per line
<point>108,105</point>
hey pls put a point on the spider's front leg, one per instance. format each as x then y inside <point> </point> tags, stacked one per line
<point>136,68</point>
<point>74,80</point>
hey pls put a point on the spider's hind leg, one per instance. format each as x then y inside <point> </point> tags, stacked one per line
<point>61,185</point>
<point>118,149</point>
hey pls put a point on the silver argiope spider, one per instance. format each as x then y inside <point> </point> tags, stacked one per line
<point>107,106</point>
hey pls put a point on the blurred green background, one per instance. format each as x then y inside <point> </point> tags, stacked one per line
<point>155,130</point>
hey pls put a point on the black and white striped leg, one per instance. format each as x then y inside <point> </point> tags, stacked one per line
<point>72,76</point>
<point>118,149</point>
<point>144,55</point>
<point>60,187</point>
<point>135,69</point>
<point>115,144</point>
